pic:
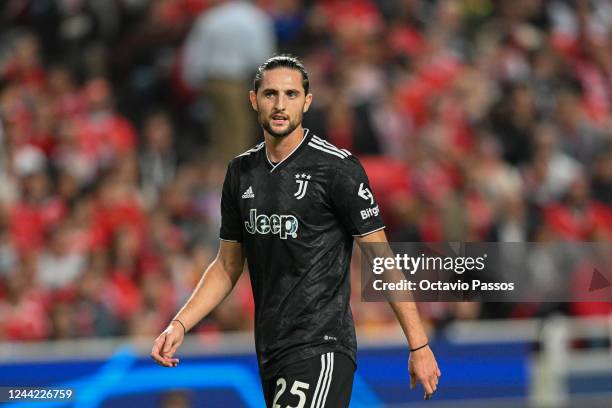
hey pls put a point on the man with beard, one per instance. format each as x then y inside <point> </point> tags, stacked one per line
<point>293,205</point>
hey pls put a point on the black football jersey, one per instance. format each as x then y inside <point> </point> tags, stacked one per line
<point>296,221</point>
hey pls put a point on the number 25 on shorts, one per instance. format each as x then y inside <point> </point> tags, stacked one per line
<point>296,390</point>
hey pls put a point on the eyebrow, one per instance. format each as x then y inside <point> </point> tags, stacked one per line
<point>266,90</point>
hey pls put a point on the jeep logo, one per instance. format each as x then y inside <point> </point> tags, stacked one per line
<point>283,225</point>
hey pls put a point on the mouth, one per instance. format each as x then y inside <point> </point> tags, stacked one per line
<point>279,120</point>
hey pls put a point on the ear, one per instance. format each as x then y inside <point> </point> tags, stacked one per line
<point>253,99</point>
<point>307,102</point>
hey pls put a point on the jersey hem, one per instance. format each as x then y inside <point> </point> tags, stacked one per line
<point>271,369</point>
<point>369,232</point>
<point>229,240</point>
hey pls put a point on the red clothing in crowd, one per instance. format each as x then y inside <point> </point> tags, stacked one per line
<point>107,220</point>
<point>121,295</point>
<point>27,318</point>
<point>105,135</point>
<point>28,222</point>
<point>579,225</point>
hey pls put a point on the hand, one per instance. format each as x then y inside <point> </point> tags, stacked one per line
<point>423,367</point>
<point>166,345</point>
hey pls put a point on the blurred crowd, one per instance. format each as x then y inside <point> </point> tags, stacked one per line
<point>476,120</point>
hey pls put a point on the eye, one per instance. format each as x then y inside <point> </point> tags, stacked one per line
<point>269,94</point>
<point>292,94</point>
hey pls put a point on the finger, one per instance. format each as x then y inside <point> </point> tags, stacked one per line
<point>432,389</point>
<point>413,381</point>
<point>158,354</point>
<point>157,345</point>
<point>167,346</point>
<point>433,383</point>
<point>428,394</point>
<point>172,362</point>
<point>161,361</point>
<point>168,362</point>
<point>438,372</point>
<point>427,387</point>
<point>156,349</point>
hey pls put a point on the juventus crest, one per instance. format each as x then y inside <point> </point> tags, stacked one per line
<point>302,182</point>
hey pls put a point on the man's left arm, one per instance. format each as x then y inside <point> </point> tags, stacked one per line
<point>422,364</point>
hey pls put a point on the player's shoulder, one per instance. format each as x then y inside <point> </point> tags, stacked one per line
<point>247,156</point>
<point>338,159</point>
<point>326,150</point>
<point>251,152</point>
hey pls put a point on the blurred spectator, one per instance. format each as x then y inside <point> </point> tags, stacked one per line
<point>94,316</point>
<point>37,209</point>
<point>23,313</point>
<point>579,137</point>
<point>224,47</point>
<point>512,223</point>
<point>551,171</point>
<point>602,178</point>
<point>59,265</point>
<point>514,122</point>
<point>102,133</point>
<point>157,157</point>
<point>62,321</point>
<point>577,217</point>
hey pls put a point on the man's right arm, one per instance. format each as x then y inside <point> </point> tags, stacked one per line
<point>216,283</point>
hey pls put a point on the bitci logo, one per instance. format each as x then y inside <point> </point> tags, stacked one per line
<point>365,193</point>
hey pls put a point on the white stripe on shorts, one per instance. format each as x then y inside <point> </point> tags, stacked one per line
<point>318,388</point>
<point>331,374</point>
<point>320,400</point>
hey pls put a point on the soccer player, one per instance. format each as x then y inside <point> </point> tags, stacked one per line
<point>293,205</point>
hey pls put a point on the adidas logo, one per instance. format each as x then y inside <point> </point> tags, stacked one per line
<point>249,193</point>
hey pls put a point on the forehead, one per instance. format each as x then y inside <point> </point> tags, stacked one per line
<point>282,78</point>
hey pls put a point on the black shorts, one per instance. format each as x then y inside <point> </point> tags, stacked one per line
<point>318,382</point>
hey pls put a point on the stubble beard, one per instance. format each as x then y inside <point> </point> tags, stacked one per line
<point>264,122</point>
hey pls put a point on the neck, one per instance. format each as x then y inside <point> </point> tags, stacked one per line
<point>278,148</point>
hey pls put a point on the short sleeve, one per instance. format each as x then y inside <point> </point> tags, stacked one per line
<point>353,200</point>
<point>231,222</point>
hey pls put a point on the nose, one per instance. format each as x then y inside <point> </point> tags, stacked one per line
<point>280,103</point>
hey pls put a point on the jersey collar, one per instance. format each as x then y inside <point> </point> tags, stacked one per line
<point>294,153</point>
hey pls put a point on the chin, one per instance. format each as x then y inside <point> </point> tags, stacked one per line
<point>279,132</point>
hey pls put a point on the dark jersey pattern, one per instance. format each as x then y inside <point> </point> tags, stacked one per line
<point>296,221</point>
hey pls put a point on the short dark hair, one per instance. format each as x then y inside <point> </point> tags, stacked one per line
<point>281,61</point>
